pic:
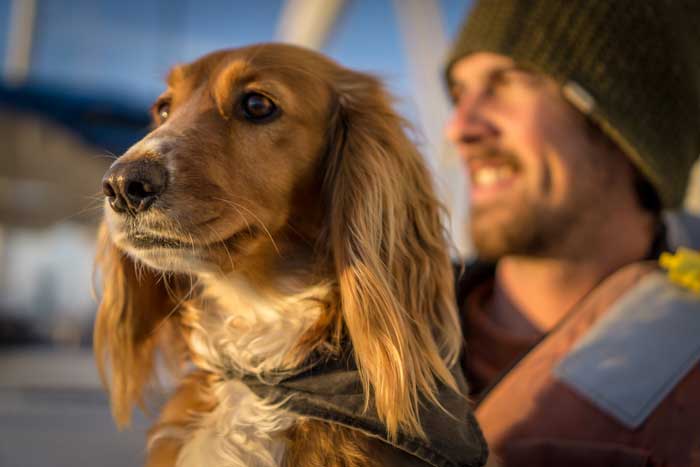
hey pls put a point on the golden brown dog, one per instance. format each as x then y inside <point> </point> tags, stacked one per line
<point>276,211</point>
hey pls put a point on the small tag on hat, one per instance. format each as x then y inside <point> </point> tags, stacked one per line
<point>579,97</point>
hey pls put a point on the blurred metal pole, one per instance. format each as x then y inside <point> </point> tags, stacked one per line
<point>425,49</point>
<point>308,22</point>
<point>19,40</point>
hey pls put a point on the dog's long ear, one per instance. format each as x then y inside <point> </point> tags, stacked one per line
<point>129,324</point>
<point>390,253</point>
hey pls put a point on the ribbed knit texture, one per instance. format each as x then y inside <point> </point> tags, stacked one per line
<point>638,59</point>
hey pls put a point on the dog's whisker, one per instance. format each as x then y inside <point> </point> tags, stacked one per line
<point>109,156</point>
<point>260,222</point>
<point>193,245</point>
<point>300,236</point>
<point>186,297</point>
<point>190,272</point>
<point>238,211</point>
<point>181,231</point>
<point>86,210</point>
<point>223,244</point>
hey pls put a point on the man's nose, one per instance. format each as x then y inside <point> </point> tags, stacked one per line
<point>132,186</point>
<point>468,123</point>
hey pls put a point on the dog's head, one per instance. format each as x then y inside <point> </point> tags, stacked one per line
<point>232,165</point>
<point>273,151</point>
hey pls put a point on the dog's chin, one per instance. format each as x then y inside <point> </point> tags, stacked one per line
<point>168,254</point>
<point>173,261</point>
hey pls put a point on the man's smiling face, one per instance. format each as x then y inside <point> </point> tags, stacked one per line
<point>536,173</point>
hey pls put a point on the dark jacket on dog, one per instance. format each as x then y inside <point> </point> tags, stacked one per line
<point>331,391</point>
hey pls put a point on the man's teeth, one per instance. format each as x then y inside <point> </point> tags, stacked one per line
<point>487,176</point>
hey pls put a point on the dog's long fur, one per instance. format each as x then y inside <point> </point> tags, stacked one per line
<point>316,226</point>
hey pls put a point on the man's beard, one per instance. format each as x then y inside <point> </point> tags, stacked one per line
<point>528,230</point>
<point>526,224</point>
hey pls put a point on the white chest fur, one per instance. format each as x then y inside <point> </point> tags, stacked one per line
<point>242,431</point>
<point>252,331</point>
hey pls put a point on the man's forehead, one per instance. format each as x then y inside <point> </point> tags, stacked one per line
<point>478,66</point>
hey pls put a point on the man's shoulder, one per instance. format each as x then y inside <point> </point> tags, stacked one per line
<point>621,372</point>
<point>638,351</point>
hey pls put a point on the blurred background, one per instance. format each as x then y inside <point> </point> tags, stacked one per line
<point>76,80</point>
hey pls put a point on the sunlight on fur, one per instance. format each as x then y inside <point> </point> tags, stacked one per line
<point>238,432</point>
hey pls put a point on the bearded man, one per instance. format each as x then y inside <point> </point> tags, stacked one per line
<point>578,122</point>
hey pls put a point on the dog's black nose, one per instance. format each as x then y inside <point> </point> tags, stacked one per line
<point>133,186</point>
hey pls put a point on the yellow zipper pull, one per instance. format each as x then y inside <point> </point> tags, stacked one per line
<point>683,268</point>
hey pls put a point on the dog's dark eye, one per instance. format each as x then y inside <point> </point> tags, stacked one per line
<point>162,111</point>
<point>258,107</point>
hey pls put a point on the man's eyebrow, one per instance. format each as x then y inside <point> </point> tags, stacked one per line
<point>457,86</point>
<point>528,73</point>
<point>519,68</point>
<point>502,70</point>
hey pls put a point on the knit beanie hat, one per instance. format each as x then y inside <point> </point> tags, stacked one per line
<point>632,66</point>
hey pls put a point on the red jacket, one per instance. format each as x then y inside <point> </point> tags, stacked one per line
<point>617,383</point>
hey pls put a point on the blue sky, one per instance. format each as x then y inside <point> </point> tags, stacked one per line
<point>123,48</point>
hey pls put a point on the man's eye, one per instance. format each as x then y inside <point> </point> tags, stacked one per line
<point>257,107</point>
<point>497,81</point>
<point>455,95</point>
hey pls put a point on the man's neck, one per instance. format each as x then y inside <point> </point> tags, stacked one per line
<point>532,294</point>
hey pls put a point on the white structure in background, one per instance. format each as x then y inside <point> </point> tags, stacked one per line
<point>425,47</point>
<point>308,22</point>
<point>19,46</point>
<point>59,258</point>
<point>47,273</point>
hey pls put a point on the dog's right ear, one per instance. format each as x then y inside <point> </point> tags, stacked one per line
<point>131,320</point>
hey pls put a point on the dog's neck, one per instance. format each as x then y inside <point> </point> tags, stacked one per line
<point>254,324</point>
<point>251,322</point>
